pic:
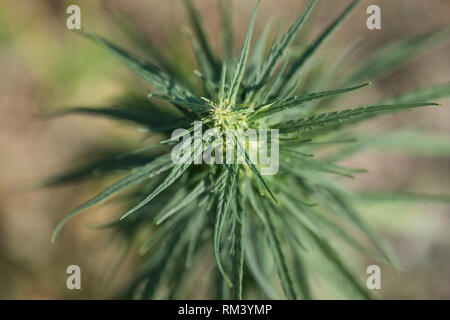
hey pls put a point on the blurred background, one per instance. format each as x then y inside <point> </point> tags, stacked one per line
<point>46,67</point>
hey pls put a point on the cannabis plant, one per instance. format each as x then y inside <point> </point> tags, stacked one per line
<point>263,236</point>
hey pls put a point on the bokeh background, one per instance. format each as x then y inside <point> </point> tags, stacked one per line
<point>45,67</point>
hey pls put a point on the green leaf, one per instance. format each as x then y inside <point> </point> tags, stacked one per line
<point>334,72</point>
<point>149,72</point>
<point>408,140</point>
<point>223,76</point>
<point>317,221</point>
<point>303,165</point>
<point>255,267</point>
<point>202,60</point>
<point>256,59</point>
<point>337,119</point>
<point>281,262</point>
<point>177,171</point>
<point>333,256</point>
<point>191,106</point>
<point>240,68</point>
<point>138,37</point>
<point>226,13</point>
<point>225,192</point>
<point>391,57</point>
<point>156,167</point>
<point>262,96</point>
<point>116,113</point>
<point>300,61</point>
<point>255,170</point>
<point>194,194</point>
<point>404,197</point>
<point>279,48</point>
<point>155,267</point>
<point>426,94</point>
<point>201,35</point>
<point>238,264</point>
<point>302,275</point>
<point>164,230</point>
<point>293,102</point>
<point>107,163</point>
<point>197,230</point>
<point>342,205</point>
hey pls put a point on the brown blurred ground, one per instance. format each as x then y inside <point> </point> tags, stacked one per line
<point>45,66</point>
